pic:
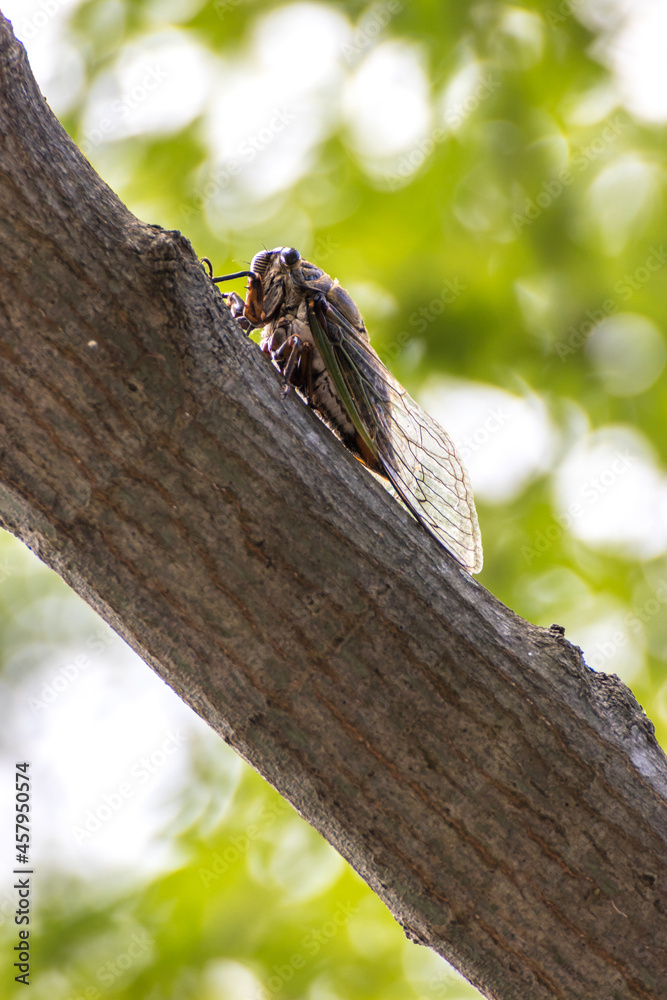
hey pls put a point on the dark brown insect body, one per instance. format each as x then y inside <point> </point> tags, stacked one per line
<point>314,333</point>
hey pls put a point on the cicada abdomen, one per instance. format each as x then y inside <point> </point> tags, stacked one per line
<point>314,333</point>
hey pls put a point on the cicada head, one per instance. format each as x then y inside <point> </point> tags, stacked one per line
<point>275,275</point>
<point>280,259</point>
<point>278,279</point>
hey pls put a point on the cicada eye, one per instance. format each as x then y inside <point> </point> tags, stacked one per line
<point>290,256</point>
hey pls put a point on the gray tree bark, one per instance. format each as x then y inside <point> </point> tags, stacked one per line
<point>506,803</point>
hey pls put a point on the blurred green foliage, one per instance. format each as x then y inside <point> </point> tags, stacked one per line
<point>489,248</point>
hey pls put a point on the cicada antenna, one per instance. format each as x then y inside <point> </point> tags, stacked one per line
<point>237,274</point>
<point>224,277</point>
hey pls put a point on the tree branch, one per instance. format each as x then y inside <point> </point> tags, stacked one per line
<point>506,803</point>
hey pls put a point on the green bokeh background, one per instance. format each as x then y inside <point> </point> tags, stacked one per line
<point>253,904</point>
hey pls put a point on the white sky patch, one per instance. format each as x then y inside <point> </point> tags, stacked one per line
<point>231,980</point>
<point>504,440</point>
<point>459,98</point>
<point>611,494</point>
<point>430,975</point>
<point>108,805</point>
<point>29,17</point>
<point>42,27</point>
<point>272,108</point>
<point>110,743</point>
<point>159,84</point>
<point>610,646</point>
<point>593,105</point>
<point>627,351</point>
<point>622,199</point>
<point>632,45</point>
<point>386,103</point>
<point>300,46</point>
<point>519,40</point>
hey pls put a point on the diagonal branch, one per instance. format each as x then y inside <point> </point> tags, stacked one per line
<point>506,803</point>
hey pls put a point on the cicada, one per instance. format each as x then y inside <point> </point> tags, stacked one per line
<point>314,333</point>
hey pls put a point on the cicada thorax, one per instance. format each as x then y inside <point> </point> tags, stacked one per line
<point>288,339</point>
<point>282,295</point>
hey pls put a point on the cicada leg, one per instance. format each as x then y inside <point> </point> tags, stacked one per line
<point>367,458</point>
<point>236,306</point>
<point>254,303</point>
<point>320,306</point>
<point>234,303</point>
<point>298,368</point>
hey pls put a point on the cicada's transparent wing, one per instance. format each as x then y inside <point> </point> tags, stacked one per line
<point>425,469</point>
<point>417,455</point>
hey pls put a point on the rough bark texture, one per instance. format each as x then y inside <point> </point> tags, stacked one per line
<point>507,803</point>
